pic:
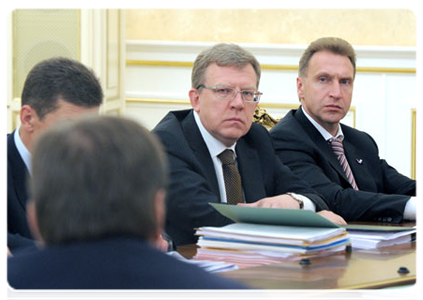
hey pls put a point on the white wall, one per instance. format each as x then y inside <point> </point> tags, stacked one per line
<point>158,77</point>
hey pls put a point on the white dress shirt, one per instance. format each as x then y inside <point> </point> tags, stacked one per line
<point>23,151</point>
<point>216,147</point>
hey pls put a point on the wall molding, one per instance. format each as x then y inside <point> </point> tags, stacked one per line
<point>413,143</point>
<point>186,64</point>
<point>271,56</point>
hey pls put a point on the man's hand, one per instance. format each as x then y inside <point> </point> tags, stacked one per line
<point>161,244</point>
<point>281,201</point>
<point>331,216</point>
<point>7,252</point>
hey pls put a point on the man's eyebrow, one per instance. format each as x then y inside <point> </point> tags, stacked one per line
<point>323,73</point>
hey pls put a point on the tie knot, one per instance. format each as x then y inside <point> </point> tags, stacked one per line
<point>336,142</point>
<point>227,157</point>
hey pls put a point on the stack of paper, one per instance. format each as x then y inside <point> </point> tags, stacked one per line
<point>287,239</point>
<point>251,244</point>
<point>370,237</point>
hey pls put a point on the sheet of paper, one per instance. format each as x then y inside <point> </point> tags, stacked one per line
<point>272,233</point>
<point>209,266</point>
<point>357,227</point>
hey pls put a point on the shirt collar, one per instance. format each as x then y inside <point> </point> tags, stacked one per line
<point>23,151</point>
<point>214,145</point>
<point>326,135</point>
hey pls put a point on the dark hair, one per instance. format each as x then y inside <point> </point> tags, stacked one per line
<point>60,78</point>
<point>223,55</point>
<point>97,177</point>
<point>331,44</point>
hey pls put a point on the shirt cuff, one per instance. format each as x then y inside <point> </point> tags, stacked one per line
<point>308,204</point>
<point>410,209</point>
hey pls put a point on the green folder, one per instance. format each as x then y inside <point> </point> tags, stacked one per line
<point>273,216</point>
<point>290,217</point>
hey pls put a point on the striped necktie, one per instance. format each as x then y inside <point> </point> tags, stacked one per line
<point>233,185</point>
<point>338,149</point>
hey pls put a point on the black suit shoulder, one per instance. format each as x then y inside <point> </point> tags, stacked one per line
<point>112,263</point>
<point>19,235</point>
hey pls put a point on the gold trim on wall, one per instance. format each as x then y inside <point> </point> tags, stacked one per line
<point>158,63</point>
<point>157,101</point>
<point>413,144</point>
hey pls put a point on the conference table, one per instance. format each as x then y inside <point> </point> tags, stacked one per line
<point>357,269</point>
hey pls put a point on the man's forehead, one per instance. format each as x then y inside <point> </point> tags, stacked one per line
<point>325,61</point>
<point>214,71</point>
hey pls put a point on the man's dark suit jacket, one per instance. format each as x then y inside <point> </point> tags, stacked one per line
<point>18,233</point>
<point>383,192</point>
<point>112,263</point>
<point>193,183</point>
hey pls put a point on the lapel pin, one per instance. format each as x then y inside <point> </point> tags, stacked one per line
<point>359,160</point>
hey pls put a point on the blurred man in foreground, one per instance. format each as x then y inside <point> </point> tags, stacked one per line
<point>97,206</point>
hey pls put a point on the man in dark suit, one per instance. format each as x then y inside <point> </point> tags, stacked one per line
<point>340,162</point>
<point>97,207</point>
<point>224,95</point>
<point>55,89</point>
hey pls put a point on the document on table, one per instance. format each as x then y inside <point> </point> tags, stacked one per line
<point>375,236</point>
<point>209,266</point>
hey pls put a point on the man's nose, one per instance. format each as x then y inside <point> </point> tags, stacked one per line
<point>335,90</point>
<point>238,102</point>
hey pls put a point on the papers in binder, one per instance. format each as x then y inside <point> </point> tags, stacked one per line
<point>268,235</point>
<point>243,236</point>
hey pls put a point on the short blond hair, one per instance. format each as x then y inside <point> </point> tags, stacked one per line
<point>223,55</point>
<point>331,44</point>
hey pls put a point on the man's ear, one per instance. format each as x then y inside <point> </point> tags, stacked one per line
<point>31,215</point>
<point>300,88</point>
<point>28,116</point>
<point>160,211</point>
<point>194,97</point>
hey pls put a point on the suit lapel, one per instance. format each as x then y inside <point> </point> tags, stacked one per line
<point>18,170</point>
<point>195,140</point>
<point>250,170</point>
<point>320,142</point>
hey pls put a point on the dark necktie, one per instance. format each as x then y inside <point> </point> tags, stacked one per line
<point>233,185</point>
<point>338,149</point>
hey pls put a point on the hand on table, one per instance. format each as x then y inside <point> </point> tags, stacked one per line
<point>280,201</point>
<point>331,216</point>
